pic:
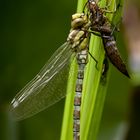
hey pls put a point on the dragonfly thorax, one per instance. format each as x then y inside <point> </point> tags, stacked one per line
<point>78,39</point>
<point>78,36</point>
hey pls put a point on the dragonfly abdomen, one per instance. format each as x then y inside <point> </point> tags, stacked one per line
<point>82,61</point>
<point>114,55</point>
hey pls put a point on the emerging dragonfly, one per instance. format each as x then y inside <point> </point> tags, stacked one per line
<point>47,87</point>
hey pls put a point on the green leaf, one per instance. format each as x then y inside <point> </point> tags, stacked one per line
<point>94,91</point>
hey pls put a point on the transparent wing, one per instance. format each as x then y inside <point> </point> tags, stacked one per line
<point>48,87</point>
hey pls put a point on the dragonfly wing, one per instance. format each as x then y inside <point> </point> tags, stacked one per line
<point>47,88</point>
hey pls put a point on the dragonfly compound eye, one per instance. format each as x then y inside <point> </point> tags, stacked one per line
<point>78,20</point>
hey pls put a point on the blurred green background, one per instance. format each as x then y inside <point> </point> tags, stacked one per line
<point>30,31</point>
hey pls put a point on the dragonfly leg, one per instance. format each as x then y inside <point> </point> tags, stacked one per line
<point>116,27</point>
<point>102,36</point>
<point>85,7</point>
<point>94,60</point>
<point>105,69</point>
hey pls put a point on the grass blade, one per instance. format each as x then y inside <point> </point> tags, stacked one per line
<point>94,91</point>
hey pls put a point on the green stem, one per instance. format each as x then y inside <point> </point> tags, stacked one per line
<point>93,94</point>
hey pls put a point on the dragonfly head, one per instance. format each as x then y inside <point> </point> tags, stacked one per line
<point>78,20</point>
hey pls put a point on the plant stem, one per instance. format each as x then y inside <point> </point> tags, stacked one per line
<point>93,94</point>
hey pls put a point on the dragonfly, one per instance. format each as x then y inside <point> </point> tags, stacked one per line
<point>47,87</point>
<point>100,23</point>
